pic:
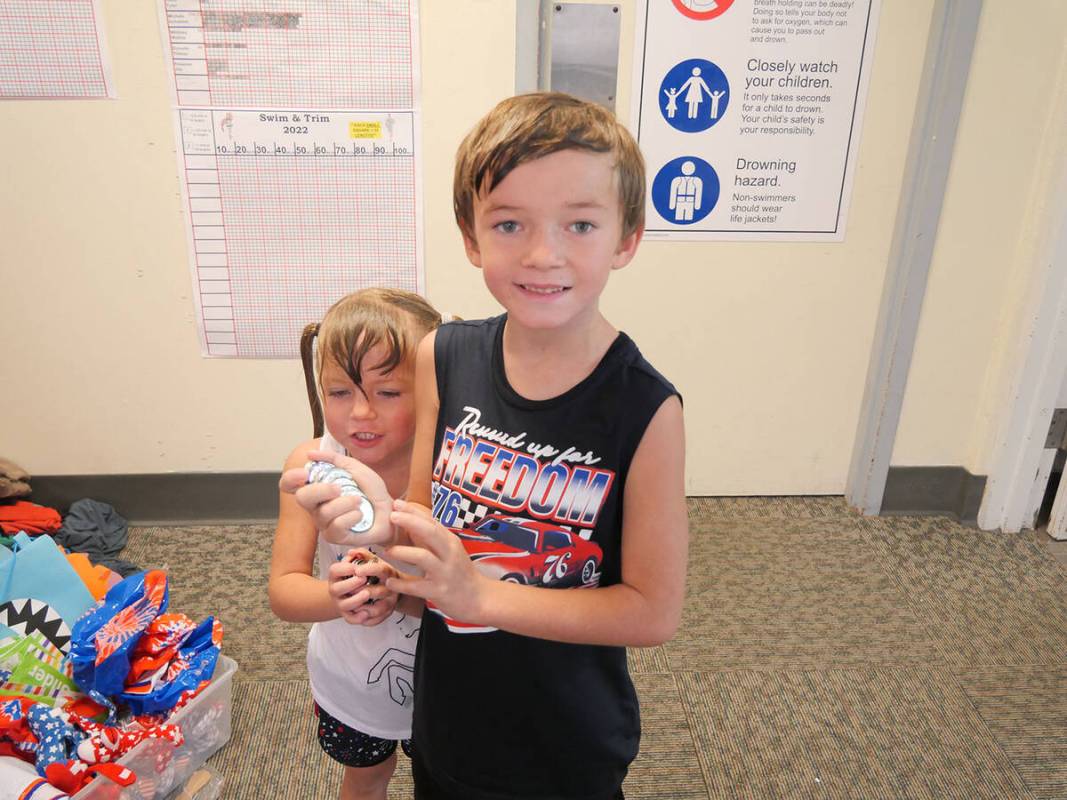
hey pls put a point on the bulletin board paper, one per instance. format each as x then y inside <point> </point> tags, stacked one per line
<point>53,49</point>
<point>748,113</point>
<point>298,134</point>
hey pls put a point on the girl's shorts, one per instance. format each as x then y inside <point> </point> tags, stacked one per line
<point>354,748</point>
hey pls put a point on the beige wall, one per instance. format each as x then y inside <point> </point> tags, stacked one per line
<point>769,343</point>
<point>1010,145</point>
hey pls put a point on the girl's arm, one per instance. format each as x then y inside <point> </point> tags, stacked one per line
<point>295,594</point>
<point>643,610</point>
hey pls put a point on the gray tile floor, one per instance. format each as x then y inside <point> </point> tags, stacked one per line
<point>1058,549</point>
<point>823,656</point>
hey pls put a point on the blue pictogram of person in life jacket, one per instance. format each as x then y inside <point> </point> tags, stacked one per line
<point>694,95</point>
<point>685,190</point>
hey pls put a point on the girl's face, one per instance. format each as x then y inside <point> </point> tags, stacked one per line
<point>375,423</point>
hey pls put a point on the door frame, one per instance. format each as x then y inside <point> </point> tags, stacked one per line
<point>1019,462</point>
<point>946,68</point>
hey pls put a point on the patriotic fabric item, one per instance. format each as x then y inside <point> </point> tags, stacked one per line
<point>15,733</point>
<point>71,776</point>
<point>173,657</point>
<point>102,641</point>
<point>57,738</point>
<point>106,743</point>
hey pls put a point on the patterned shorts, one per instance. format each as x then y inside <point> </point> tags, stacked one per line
<point>353,748</point>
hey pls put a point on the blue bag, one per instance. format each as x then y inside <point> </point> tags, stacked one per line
<point>101,641</point>
<point>34,573</point>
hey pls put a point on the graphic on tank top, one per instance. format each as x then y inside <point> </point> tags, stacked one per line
<point>524,511</point>
<point>395,668</point>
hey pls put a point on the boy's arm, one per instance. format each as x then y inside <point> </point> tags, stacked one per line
<point>419,497</point>
<point>295,594</point>
<point>427,406</point>
<point>643,610</point>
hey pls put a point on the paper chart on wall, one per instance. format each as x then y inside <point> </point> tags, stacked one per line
<point>53,49</point>
<point>749,113</point>
<point>298,136</point>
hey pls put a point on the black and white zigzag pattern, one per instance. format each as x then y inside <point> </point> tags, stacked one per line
<point>27,616</point>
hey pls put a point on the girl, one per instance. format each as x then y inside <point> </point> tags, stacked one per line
<point>361,652</point>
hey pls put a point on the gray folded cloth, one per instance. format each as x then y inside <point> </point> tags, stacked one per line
<point>96,529</point>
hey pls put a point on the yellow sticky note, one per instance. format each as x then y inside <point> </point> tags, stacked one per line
<point>365,130</point>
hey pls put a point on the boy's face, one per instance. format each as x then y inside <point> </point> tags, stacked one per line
<point>375,423</point>
<point>548,236</point>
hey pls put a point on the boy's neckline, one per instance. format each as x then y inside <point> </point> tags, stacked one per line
<point>552,396</point>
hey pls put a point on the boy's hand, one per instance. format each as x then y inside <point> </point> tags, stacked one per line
<point>357,585</point>
<point>335,515</point>
<point>449,578</point>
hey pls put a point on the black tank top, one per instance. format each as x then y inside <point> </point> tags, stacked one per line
<point>534,490</point>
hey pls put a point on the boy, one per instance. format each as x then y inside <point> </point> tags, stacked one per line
<point>557,451</point>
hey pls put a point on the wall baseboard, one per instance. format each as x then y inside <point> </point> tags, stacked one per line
<point>200,498</point>
<point>175,498</point>
<point>925,491</point>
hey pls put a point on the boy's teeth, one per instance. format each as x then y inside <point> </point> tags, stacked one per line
<point>543,289</point>
<point>365,435</point>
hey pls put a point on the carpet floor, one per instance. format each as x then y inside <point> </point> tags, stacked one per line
<point>822,655</point>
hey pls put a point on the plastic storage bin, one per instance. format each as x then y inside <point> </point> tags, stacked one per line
<point>160,766</point>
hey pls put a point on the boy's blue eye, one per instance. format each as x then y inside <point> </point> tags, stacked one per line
<point>508,226</point>
<point>582,227</point>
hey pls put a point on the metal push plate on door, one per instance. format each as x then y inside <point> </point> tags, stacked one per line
<point>585,50</point>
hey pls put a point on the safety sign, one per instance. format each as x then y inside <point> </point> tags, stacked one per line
<point>702,9</point>
<point>749,112</point>
<point>685,190</point>
<point>700,89</point>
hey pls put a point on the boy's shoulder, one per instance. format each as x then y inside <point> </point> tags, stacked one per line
<point>472,324</point>
<point>467,329</point>
<point>641,369</point>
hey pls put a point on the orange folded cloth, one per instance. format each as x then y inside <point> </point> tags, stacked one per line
<point>95,578</point>
<point>23,515</point>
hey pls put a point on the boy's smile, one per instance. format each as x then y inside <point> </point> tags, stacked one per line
<point>548,236</point>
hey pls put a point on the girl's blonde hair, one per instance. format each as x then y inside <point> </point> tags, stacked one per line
<point>359,322</point>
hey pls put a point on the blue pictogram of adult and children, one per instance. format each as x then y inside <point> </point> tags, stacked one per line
<point>694,95</point>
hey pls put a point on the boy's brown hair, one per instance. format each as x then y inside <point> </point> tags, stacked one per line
<point>529,126</point>
<point>358,322</point>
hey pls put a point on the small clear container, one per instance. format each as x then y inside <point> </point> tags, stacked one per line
<point>160,766</point>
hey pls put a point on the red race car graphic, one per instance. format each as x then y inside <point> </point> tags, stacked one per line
<point>532,553</point>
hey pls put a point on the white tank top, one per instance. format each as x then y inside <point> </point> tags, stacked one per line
<point>362,676</point>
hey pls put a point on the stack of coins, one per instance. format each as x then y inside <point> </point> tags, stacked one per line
<point>325,472</point>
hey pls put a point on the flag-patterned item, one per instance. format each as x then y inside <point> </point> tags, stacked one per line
<point>103,639</point>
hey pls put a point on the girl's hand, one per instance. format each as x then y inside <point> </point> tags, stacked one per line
<point>357,585</point>
<point>449,578</point>
<point>335,515</point>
